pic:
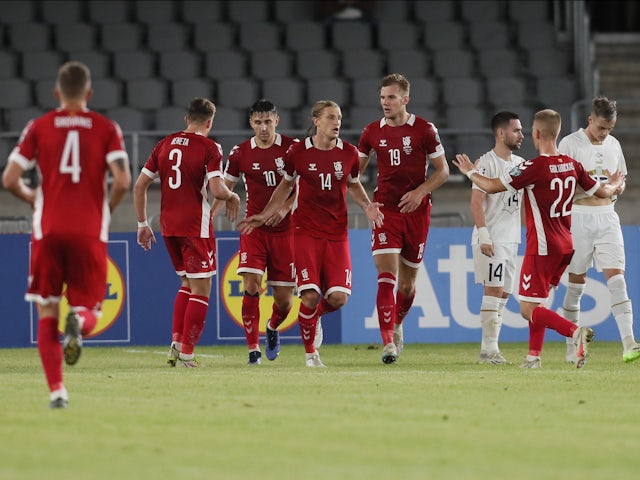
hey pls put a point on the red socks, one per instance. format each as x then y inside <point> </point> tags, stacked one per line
<point>179,308</point>
<point>277,317</point>
<point>195,316</point>
<point>403,305</point>
<point>385,303</point>
<point>542,318</point>
<point>251,319</point>
<point>308,319</point>
<point>50,352</point>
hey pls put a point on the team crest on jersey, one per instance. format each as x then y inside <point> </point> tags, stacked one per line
<point>312,167</point>
<point>337,166</point>
<point>279,164</point>
<point>406,145</point>
<point>383,142</point>
<point>305,274</point>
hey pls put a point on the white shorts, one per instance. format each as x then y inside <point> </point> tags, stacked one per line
<point>597,235</point>
<point>499,270</point>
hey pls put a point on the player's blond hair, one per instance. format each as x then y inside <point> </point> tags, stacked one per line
<point>548,123</point>
<point>317,110</point>
<point>74,79</point>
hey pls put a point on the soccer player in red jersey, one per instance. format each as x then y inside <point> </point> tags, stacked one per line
<point>404,145</point>
<point>186,162</point>
<point>73,148</point>
<point>260,162</point>
<point>325,167</point>
<point>549,182</point>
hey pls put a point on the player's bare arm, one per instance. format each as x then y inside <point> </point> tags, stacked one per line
<point>221,191</point>
<point>218,204</point>
<point>278,198</point>
<point>372,209</point>
<point>364,161</point>
<point>121,181</point>
<point>489,185</point>
<point>282,212</point>
<point>413,199</point>
<point>477,211</point>
<point>12,181</point>
<point>145,235</point>
<point>611,188</point>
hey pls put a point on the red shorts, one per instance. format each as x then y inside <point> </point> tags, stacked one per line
<point>403,234</point>
<point>273,252</point>
<point>192,256</point>
<point>539,272</point>
<point>323,265</point>
<point>80,262</point>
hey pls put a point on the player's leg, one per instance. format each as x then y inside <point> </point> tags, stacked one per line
<point>387,267</point>
<point>251,315</point>
<point>307,319</point>
<point>282,302</point>
<point>622,311</point>
<point>180,304</point>
<point>571,308</point>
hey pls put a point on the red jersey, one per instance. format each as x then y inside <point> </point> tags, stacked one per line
<point>262,170</point>
<point>72,152</point>
<point>185,162</point>
<point>549,183</point>
<point>322,177</point>
<point>403,154</point>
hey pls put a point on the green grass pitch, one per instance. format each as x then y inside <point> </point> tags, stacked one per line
<point>436,414</point>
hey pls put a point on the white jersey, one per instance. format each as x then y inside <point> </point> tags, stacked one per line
<point>599,161</point>
<point>501,210</point>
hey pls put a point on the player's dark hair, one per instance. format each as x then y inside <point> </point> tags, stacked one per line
<point>502,119</point>
<point>604,108</point>
<point>74,79</point>
<point>396,79</point>
<point>316,111</point>
<point>200,110</point>
<point>263,106</point>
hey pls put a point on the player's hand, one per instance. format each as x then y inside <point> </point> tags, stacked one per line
<point>277,217</point>
<point>232,207</point>
<point>375,216</point>
<point>146,237</point>
<point>463,163</point>
<point>487,249</point>
<point>410,201</point>
<point>249,224</point>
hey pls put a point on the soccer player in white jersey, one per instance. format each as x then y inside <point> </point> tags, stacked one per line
<point>496,234</point>
<point>595,227</point>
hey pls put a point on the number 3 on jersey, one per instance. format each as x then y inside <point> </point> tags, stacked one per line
<point>175,155</point>
<point>70,160</point>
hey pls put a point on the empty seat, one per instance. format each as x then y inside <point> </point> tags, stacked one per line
<point>230,119</point>
<point>362,63</point>
<point>259,36</point>
<point>284,92</point>
<point>444,35</point>
<point>16,93</point>
<point>285,11</point>
<point>537,34</point>
<point>225,64</point>
<point>548,62</point>
<point>241,11</point>
<point>366,92</point>
<point>391,10</point>
<point>154,11</point>
<point>287,120</point>
<point>351,35</point>
<point>336,89</point>
<point>180,64</point>
<point>109,11</point>
<point>8,64</point>
<point>462,91</point>
<point>98,62</point>
<point>121,37</point>
<point>185,90</point>
<point>107,93</point>
<point>41,65</point>
<point>412,63</point>
<point>360,117</point>
<point>429,114</point>
<point>146,93</point>
<point>134,64</point>
<point>19,117</point>
<point>214,36</point>
<point>169,119</point>
<point>44,96</point>
<point>489,35</point>
<point>317,64</point>
<point>167,37</point>
<point>129,119</point>
<point>397,35</point>
<point>506,91</point>
<point>197,11</point>
<point>305,35</point>
<point>271,64</point>
<point>474,11</point>
<point>466,117</point>
<point>556,90</point>
<point>61,11</point>
<point>424,92</point>
<point>453,63</point>
<point>75,37</point>
<point>29,37</point>
<point>18,11</point>
<point>499,62</point>
<point>238,92</point>
<point>528,10</point>
<point>435,11</point>
<point>474,145</point>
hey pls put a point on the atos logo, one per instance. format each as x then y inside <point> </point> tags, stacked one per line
<point>111,305</point>
<point>233,291</point>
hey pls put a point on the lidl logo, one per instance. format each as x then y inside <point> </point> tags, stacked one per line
<point>233,290</point>
<point>111,306</point>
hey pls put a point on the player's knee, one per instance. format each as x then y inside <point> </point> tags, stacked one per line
<point>617,286</point>
<point>573,296</point>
